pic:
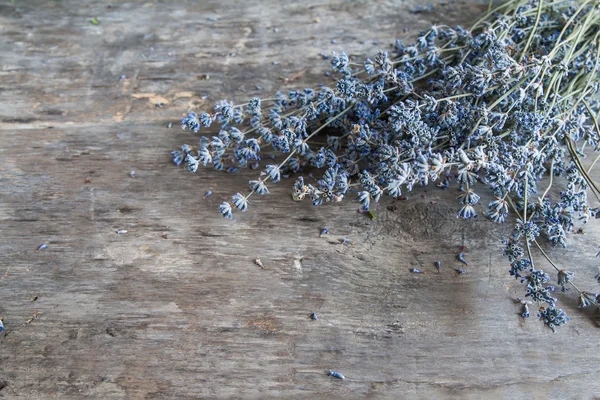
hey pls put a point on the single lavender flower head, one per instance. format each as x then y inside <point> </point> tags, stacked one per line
<point>225,209</point>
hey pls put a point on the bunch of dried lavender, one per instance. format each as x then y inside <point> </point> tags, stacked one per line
<point>511,100</point>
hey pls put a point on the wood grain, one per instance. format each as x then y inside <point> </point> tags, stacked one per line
<point>138,316</point>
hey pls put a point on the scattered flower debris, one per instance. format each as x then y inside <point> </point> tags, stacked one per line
<point>372,216</point>
<point>169,125</point>
<point>259,263</point>
<point>42,247</point>
<point>121,232</point>
<point>422,8</point>
<point>460,271</point>
<point>525,313</point>
<point>313,316</point>
<point>132,174</point>
<point>208,194</point>
<point>94,21</point>
<point>34,316</point>
<point>438,265</point>
<point>324,232</point>
<point>336,374</point>
<point>415,270</point>
<point>461,258</point>
<point>164,235</point>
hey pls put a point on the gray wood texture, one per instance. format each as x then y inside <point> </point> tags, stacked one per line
<point>140,316</point>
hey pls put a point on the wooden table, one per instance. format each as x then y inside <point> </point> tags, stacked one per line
<point>191,315</point>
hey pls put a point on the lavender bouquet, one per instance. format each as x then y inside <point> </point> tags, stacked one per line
<point>499,106</point>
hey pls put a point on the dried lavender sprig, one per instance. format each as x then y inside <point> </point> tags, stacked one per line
<point>524,87</point>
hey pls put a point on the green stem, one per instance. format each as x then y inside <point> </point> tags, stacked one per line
<point>552,263</point>
<point>535,25</point>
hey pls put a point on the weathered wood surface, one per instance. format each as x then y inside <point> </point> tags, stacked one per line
<point>139,316</point>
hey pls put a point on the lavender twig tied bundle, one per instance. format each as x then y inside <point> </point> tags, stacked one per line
<point>502,105</point>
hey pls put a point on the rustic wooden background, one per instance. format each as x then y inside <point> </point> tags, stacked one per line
<point>139,316</point>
